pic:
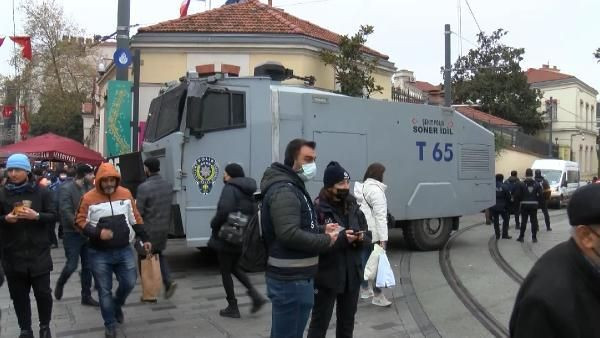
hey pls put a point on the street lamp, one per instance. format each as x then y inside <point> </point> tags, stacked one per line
<point>571,147</point>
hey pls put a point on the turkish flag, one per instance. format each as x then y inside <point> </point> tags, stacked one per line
<point>1,41</point>
<point>184,8</point>
<point>7,111</point>
<point>25,43</point>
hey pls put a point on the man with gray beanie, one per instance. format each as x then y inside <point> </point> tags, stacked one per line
<point>76,245</point>
<point>560,297</point>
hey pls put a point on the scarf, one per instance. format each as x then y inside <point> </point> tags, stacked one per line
<point>18,189</point>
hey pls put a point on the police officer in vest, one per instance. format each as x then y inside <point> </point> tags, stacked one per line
<point>500,208</point>
<point>546,191</point>
<point>531,197</point>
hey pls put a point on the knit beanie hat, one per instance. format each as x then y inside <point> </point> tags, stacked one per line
<point>18,161</point>
<point>334,173</point>
<point>584,206</point>
<point>234,170</point>
<point>153,164</point>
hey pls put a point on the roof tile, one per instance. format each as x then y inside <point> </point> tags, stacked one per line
<point>544,74</point>
<point>480,116</point>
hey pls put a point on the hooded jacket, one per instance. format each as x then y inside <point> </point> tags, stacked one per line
<point>95,204</point>
<point>294,238</point>
<point>560,297</point>
<point>370,195</point>
<point>25,244</point>
<point>236,196</point>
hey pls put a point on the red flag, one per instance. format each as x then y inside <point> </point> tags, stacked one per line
<point>25,43</point>
<point>24,130</point>
<point>7,111</point>
<point>2,41</point>
<point>184,8</point>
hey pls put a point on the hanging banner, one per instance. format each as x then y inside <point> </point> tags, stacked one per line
<point>118,117</point>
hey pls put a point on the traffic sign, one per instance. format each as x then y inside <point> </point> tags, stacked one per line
<point>122,57</point>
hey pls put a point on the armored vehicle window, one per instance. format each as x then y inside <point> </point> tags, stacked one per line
<point>171,109</point>
<point>150,133</point>
<point>217,110</point>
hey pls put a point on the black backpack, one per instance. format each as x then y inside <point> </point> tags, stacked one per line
<point>254,247</point>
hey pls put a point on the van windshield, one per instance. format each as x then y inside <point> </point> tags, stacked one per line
<point>553,176</point>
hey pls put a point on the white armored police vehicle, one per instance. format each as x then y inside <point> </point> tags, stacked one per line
<point>439,164</point>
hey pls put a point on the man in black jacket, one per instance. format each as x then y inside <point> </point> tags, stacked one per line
<point>560,297</point>
<point>154,199</point>
<point>26,208</point>
<point>531,196</point>
<point>237,196</point>
<point>76,245</point>
<point>294,238</point>
<point>500,208</point>
<point>546,191</point>
<point>513,183</point>
<point>340,268</point>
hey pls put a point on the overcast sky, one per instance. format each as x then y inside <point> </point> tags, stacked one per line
<point>564,33</point>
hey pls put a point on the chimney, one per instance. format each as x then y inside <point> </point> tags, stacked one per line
<point>270,3</point>
<point>545,66</point>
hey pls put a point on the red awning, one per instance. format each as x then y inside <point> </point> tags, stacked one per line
<point>52,147</point>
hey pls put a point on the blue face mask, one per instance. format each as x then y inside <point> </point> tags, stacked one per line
<point>308,171</point>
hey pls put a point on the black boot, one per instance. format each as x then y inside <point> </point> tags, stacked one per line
<point>89,301</point>
<point>26,334</point>
<point>58,290</point>
<point>231,310</point>
<point>110,332</point>
<point>258,301</point>
<point>45,331</point>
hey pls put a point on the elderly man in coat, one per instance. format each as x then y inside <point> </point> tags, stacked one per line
<point>154,198</point>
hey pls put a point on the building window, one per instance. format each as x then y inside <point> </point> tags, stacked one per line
<point>587,115</point>
<point>581,109</point>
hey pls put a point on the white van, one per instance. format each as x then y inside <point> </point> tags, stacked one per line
<point>563,177</point>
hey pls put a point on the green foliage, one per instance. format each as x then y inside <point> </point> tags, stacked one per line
<point>491,76</point>
<point>59,113</point>
<point>499,143</point>
<point>353,68</point>
<point>597,54</point>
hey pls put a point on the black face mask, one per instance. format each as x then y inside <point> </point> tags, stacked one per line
<point>342,194</point>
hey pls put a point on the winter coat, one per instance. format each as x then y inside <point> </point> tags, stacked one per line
<point>25,244</point>
<point>370,195</point>
<point>502,197</point>
<point>560,297</point>
<point>530,193</point>
<point>154,199</point>
<point>69,196</point>
<point>294,238</point>
<point>95,205</point>
<point>340,267</point>
<point>237,195</point>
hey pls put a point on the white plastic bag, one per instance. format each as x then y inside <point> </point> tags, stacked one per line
<point>373,262</point>
<point>385,274</point>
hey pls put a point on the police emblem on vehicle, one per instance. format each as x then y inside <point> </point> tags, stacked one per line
<point>206,172</point>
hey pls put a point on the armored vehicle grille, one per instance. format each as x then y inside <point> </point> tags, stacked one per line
<point>474,161</point>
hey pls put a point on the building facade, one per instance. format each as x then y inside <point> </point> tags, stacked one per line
<point>573,121</point>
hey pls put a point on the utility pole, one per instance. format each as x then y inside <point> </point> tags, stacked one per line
<point>123,35</point>
<point>550,112</point>
<point>136,100</point>
<point>447,68</point>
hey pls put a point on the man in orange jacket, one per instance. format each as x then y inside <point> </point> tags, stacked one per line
<point>109,217</point>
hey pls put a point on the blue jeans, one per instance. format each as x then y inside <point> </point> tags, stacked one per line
<point>76,246</point>
<point>367,249</point>
<point>104,263</point>
<point>292,302</point>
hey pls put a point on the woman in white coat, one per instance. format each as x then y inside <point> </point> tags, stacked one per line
<point>370,195</point>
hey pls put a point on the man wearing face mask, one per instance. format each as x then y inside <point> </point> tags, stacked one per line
<point>560,297</point>
<point>340,268</point>
<point>294,238</point>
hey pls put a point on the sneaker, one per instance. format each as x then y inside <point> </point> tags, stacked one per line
<point>506,237</point>
<point>380,300</point>
<point>45,332</point>
<point>89,301</point>
<point>110,332</point>
<point>520,239</point>
<point>549,229</point>
<point>534,240</point>
<point>366,293</point>
<point>231,311</point>
<point>58,291</point>
<point>170,290</point>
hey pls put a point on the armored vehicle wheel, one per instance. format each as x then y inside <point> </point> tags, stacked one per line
<point>428,234</point>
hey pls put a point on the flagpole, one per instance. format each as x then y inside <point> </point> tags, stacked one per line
<point>17,82</point>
